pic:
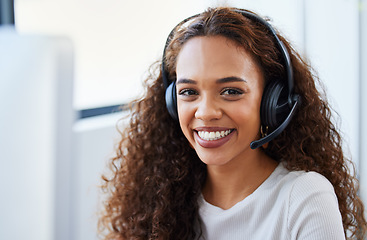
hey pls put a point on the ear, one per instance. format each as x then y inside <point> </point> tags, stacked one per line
<point>265,146</point>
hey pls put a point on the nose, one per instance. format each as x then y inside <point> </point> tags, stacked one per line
<point>208,110</point>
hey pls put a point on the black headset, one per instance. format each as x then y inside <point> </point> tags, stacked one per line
<point>278,103</point>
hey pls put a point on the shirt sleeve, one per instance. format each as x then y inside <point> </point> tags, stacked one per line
<point>313,209</point>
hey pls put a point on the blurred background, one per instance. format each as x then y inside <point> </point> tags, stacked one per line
<point>66,66</point>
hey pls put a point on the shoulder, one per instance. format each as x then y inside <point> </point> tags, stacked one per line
<point>300,183</point>
<point>306,184</point>
<point>313,208</point>
<point>305,190</point>
<point>297,183</point>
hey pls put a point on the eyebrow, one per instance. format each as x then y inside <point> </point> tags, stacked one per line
<point>230,79</point>
<point>185,80</point>
<point>221,80</point>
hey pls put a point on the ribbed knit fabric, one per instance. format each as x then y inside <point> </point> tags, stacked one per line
<point>288,205</point>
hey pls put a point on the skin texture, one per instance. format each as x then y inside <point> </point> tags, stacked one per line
<point>219,88</point>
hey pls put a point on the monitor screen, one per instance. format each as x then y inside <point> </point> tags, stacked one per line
<point>36,139</point>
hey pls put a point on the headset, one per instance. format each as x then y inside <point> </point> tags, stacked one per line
<point>279,102</point>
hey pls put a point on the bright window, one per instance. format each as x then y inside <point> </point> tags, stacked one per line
<point>115,41</point>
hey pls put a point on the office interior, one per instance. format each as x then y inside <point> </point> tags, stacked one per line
<point>68,67</point>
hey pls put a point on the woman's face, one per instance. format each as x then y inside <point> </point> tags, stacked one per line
<point>219,90</point>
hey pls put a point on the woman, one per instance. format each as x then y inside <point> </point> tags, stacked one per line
<point>214,164</point>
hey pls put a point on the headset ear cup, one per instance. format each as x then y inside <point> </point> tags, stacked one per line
<point>171,100</point>
<point>274,97</point>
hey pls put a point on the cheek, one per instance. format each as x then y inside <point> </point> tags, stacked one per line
<point>185,115</point>
<point>243,116</point>
<point>246,114</point>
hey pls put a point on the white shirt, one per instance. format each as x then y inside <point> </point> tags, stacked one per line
<point>287,205</point>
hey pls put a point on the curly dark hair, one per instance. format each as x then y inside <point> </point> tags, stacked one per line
<point>157,177</point>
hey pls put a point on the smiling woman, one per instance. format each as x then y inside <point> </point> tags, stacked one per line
<point>187,168</point>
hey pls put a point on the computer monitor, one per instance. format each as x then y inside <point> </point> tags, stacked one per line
<point>36,138</point>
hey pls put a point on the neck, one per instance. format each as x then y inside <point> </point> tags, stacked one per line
<point>229,184</point>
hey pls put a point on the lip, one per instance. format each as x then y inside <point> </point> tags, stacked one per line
<point>214,143</point>
<point>212,129</point>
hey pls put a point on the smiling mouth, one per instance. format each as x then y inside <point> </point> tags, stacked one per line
<point>214,135</point>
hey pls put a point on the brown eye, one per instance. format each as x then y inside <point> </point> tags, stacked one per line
<point>231,91</point>
<point>187,92</point>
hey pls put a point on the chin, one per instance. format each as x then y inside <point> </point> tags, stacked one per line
<point>211,160</point>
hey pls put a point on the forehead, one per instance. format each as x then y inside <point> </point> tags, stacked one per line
<point>215,57</point>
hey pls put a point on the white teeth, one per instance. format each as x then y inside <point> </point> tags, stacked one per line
<point>206,135</point>
<point>210,136</point>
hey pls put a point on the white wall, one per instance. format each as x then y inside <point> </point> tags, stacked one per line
<point>363,101</point>
<point>95,140</point>
<point>332,45</point>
